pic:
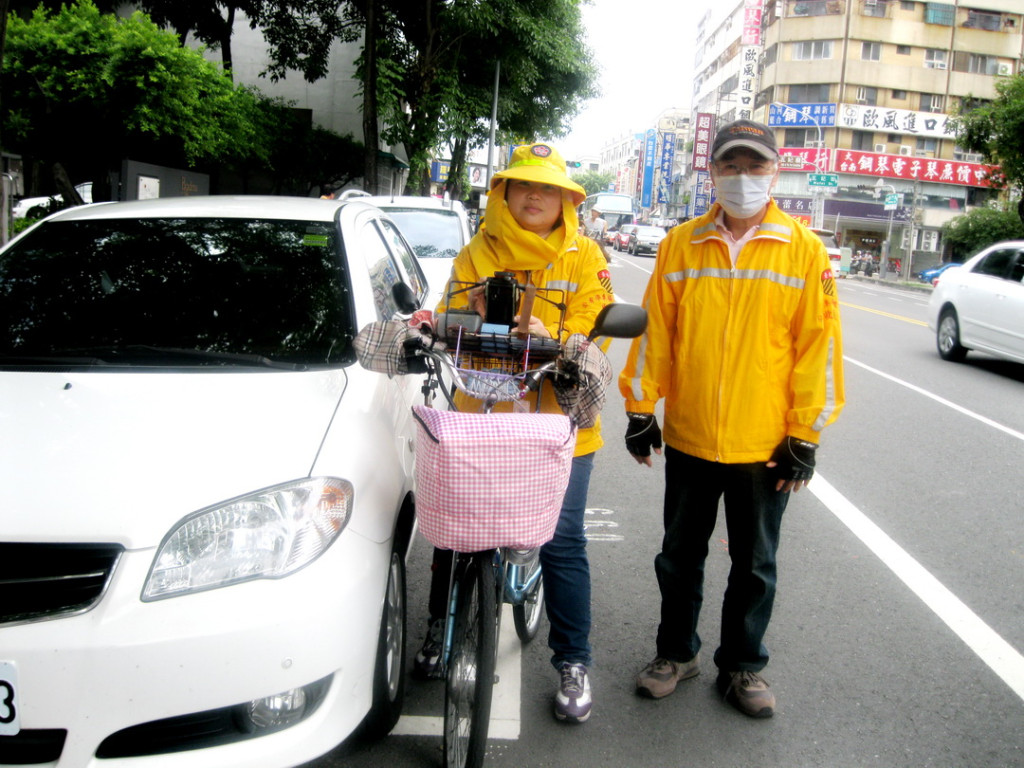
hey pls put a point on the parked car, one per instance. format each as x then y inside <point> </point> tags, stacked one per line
<point>437,230</point>
<point>645,239</point>
<point>828,238</point>
<point>932,274</point>
<point>37,207</point>
<point>205,501</point>
<point>621,241</point>
<point>980,305</point>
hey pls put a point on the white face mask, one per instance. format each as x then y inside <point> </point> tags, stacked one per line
<point>743,195</point>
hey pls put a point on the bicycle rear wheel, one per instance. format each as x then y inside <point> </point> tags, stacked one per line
<point>470,679</point>
<point>527,615</point>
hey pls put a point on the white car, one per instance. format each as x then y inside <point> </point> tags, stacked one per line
<point>437,229</point>
<point>37,207</point>
<point>980,305</point>
<point>205,501</point>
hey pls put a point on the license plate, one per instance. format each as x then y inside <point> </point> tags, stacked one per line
<point>9,725</point>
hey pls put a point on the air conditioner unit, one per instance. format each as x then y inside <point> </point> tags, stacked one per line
<point>905,150</point>
<point>1005,69</point>
<point>880,147</point>
<point>938,65</point>
<point>810,144</point>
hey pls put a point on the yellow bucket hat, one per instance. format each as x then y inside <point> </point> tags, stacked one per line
<point>542,163</point>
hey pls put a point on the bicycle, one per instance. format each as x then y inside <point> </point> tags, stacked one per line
<point>496,368</point>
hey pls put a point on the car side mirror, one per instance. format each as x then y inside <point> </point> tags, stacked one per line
<point>620,321</point>
<point>404,298</point>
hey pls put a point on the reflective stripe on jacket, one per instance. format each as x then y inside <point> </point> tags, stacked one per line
<point>742,355</point>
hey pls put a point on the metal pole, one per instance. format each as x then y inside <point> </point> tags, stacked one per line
<point>494,122</point>
<point>818,195</point>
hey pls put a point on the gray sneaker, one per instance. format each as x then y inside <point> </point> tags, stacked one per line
<point>573,701</point>
<point>659,678</point>
<point>748,692</point>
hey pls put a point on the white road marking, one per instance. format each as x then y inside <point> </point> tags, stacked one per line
<point>959,408</point>
<point>505,701</point>
<point>999,655</point>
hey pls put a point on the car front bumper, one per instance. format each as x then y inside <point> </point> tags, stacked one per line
<point>125,663</point>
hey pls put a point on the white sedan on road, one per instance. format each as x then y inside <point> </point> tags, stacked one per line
<point>981,305</point>
<point>205,501</point>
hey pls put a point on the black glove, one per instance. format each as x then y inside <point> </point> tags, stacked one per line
<point>642,434</point>
<point>794,459</point>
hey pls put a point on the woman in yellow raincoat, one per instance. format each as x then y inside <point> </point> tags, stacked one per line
<point>531,229</point>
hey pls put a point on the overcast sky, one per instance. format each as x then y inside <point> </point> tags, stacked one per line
<point>644,49</point>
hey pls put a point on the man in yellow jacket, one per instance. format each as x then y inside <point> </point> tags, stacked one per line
<point>743,343</point>
<point>531,230</point>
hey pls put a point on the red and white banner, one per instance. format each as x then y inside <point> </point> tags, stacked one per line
<point>912,168</point>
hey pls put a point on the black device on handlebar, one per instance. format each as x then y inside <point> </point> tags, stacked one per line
<point>501,298</point>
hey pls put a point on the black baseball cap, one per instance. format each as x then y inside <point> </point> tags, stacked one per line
<point>745,133</point>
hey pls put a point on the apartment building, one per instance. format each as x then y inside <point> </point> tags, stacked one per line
<point>861,93</point>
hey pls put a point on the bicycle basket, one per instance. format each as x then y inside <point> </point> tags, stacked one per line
<point>490,480</point>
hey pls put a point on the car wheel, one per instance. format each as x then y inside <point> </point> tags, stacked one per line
<point>389,669</point>
<point>947,339</point>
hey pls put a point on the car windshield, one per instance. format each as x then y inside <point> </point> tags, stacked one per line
<point>649,231</point>
<point>433,234</point>
<point>167,291</point>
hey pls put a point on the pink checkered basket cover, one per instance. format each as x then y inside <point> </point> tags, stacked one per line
<point>487,480</point>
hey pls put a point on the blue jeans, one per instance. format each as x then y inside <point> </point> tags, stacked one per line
<point>753,517</point>
<point>566,571</point>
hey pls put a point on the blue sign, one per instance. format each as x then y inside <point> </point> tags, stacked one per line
<point>702,200</point>
<point>438,171</point>
<point>801,115</point>
<point>668,156</point>
<point>647,186</point>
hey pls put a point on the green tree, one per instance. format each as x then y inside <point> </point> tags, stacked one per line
<point>83,89</point>
<point>593,181</point>
<point>967,234</point>
<point>995,129</point>
<point>436,64</point>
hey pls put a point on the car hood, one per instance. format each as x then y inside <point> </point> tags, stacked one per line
<point>120,457</point>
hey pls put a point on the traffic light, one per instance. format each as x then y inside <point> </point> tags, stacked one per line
<point>573,163</point>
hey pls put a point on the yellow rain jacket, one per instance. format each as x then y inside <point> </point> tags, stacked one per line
<point>565,260</point>
<point>743,355</point>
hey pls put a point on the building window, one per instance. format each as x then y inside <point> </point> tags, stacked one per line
<point>893,138</point>
<point>801,137</point>
<point>812,49</point>
<point>982,65</point>
<point>907,5</point>
<point>899,95</point>
<point>875,8</point>
<point>809,93</point>
<point>927,146</point>
<point>903,50</point>
<point>939,13</point>
<point>935,58</point>
<point>871,51</point>
<point>867,95</point>
<point>931,102</point>
<point>863,140</point>
<point>814,8</point>
<point>981,20</point>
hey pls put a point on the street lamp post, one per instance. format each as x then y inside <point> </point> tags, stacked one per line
<point>818,214</point>
<point>883,267</point>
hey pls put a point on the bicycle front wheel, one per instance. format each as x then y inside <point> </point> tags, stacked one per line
<point>470,680</point>
<point>528,614</point>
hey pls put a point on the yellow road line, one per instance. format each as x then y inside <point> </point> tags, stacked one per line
<point>884,314</point>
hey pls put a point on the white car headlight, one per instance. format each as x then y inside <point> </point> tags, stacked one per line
<point>265,535</point>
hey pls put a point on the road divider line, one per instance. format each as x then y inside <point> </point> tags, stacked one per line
<point>999,655</point>
<point>943,401</point>
<point>883,313</point>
